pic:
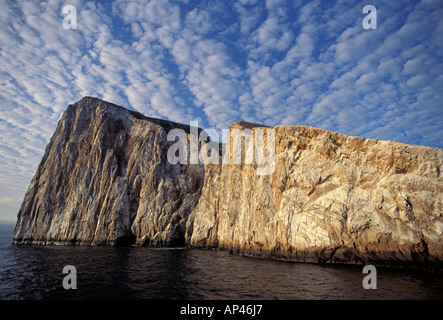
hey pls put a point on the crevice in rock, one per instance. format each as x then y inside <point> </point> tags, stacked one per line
<point>125,241</point>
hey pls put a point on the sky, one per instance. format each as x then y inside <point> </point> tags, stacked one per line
<point>216,62</point>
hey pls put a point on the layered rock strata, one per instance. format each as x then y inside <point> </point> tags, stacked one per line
<point>105,179</point>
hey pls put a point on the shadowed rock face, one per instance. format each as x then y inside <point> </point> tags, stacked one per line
<point>105,179</point>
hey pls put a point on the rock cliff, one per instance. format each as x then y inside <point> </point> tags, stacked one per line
<point>105,179</point>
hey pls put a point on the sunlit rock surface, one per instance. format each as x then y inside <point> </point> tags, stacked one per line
<point>105,180</point>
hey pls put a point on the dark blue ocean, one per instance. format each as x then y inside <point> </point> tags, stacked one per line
<point>35,273</point>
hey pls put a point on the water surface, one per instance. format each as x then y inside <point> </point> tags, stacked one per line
<point>35,272</point>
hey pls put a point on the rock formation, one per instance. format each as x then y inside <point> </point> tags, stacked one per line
<point>105,180</point>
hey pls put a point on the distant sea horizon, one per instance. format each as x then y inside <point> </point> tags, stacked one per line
<point>7,227</point>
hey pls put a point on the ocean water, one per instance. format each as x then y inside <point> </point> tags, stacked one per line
<point>36,272</point>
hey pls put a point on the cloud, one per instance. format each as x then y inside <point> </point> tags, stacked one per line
<point>272,34</point>
<point>248,16</point>
<point>273,62</point>
<point>199,21</point>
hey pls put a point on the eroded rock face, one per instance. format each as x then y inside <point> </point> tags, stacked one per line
<point>331,198</point>
<point>105,179</point>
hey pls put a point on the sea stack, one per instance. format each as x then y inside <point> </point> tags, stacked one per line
<point>105,179</point>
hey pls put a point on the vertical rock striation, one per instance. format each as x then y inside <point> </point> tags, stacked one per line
<point>105,179</point>
<point>331,198</point>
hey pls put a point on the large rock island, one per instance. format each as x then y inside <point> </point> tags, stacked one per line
<point>105,179</point>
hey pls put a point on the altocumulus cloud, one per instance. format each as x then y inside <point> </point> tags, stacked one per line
<point>273,62</point>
